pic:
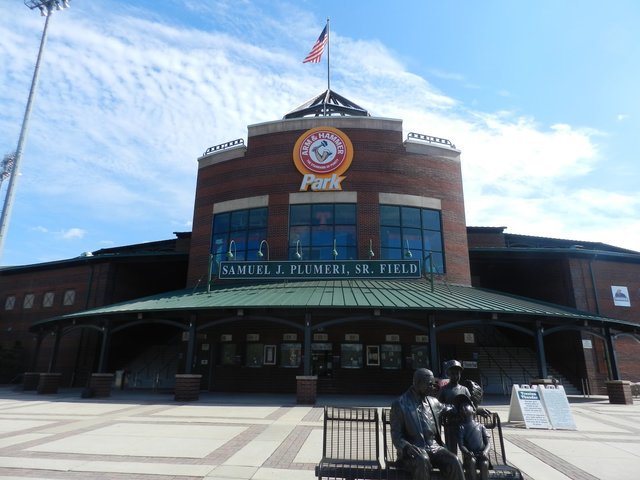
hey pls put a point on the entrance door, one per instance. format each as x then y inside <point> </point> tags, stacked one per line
<point>321,360</point>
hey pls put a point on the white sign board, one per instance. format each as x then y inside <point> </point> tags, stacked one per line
<point>620,296</point>
<point>556,403</point>
<point>526,405</point>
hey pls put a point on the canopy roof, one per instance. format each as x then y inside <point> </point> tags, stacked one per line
<point>375,294</point>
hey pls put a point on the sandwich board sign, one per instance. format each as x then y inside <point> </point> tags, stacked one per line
<point>556,403</point>
<point>526,405</point>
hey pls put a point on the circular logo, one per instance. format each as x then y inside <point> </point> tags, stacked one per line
<point>323,150</point>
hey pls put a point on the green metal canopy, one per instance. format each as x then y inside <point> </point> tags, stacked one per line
<point>376,294</point>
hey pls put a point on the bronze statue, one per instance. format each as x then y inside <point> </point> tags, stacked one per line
<point>473,440</point>
<point>415,431</point>
<point>449,392</point>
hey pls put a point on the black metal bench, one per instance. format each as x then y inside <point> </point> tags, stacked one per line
<point>351,447</point>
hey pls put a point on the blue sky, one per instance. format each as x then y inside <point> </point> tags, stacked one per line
<point>540,97</point>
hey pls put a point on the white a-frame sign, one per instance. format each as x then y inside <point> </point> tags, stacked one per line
<point>526,405</point>
<point>541,407</point>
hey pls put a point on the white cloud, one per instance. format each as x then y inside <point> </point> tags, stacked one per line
<point>72,233</point>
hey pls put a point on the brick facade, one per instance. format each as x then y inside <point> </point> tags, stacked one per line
<point>382,163</point>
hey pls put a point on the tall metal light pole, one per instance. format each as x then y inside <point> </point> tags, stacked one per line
<point>46,8</point>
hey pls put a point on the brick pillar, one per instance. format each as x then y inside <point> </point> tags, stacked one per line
<point>307,388</point>
<point>619,392</point>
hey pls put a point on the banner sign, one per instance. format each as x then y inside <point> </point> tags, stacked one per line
<point>321,270</point>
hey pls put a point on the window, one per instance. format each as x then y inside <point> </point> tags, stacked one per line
<point>29,298</point>
<point>47,300</point>
<point>10,302</point>
<point>245,228</point>
<point>411,232</point>
<point>255,354</point>
<point>351,355</point>
<point>291,355</point>
<point>315,229</point>
<point>69,297</point>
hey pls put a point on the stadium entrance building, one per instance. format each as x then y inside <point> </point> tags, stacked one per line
<point>329,245</point>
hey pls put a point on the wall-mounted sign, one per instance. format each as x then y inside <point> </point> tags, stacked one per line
<point>226,337</point>
<point>586,343</point>
<point>330,270</point>
<point>392,338</point>
<point>422,338</point>
<point>620,296</point>
<point>253,337</point>
<point>290,337</point>
<point>351,337</point>
<point>321,155</point>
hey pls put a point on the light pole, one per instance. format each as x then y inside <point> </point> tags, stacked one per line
<point>46,8</point>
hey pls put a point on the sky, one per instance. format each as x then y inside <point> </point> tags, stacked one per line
<point>540,97</point>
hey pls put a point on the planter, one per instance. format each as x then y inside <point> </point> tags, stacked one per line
<point>187,387</point>
<point>100,384</point>
<point>306,389</point>
<point>30,381</point>
<point>619,392</point>
<point>49,383</point>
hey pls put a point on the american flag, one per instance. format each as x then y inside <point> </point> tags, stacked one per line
<point>318,48</point>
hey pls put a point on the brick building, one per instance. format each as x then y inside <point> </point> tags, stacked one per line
<point>330,245</point>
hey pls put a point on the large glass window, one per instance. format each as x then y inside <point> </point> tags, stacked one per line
<point>412,233</point>
<point>245,228</point>
<point>315,229</point>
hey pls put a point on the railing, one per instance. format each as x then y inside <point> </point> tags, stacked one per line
<point>223,146</point>
<point>430,139</point>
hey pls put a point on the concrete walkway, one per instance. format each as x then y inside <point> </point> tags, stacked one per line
<point>136,436</point>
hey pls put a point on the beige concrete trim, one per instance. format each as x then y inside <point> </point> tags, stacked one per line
<point>432,149</point>
<point>323,197</point>
<point>306,123</point>
<point>222,156</point>
<point>241,204</point>
<point>409,201</point>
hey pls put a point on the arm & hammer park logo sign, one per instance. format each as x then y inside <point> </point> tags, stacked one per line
<point>322,155</point>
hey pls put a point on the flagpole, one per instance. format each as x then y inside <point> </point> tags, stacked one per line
<point>328,56</point>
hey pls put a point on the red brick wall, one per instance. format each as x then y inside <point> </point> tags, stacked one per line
<point>380,164</point>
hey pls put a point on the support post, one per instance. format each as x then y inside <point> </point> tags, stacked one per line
<point>104,349</point>
<point>54,350</point>
<point>611,353</point>
<point>36,353</point>
<point>191,344</point>
<point>433,346</point>
<point>542,360</point>
<point>307,344</point>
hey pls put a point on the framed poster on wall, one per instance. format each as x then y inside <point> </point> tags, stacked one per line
<point>391,356</point>
<point>373,355</point>
<point>269,355</point>
<point>351,355</point>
